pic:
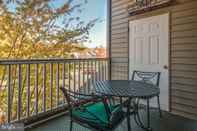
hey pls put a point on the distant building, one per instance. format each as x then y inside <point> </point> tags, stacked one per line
<point>101,52</point>
<point>98,52</point>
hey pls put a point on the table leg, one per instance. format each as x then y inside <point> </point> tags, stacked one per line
<point>148,115</point>
<point>138,119</point>
<point>128,115</point>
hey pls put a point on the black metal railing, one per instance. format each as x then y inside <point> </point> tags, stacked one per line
<point>29,88</point>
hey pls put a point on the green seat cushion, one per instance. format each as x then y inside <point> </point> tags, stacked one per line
<point>95,113</point>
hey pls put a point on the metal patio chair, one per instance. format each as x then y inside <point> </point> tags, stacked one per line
<point>93,112</point>
<point>150,78</point>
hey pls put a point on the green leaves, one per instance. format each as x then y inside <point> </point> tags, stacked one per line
<point>29,24</point>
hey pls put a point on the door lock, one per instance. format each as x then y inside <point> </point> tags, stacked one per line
<point>165,67</point>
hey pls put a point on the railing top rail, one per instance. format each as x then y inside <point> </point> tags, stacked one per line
<point>50,60</point>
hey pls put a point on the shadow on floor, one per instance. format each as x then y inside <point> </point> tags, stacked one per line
<point>168,122</point>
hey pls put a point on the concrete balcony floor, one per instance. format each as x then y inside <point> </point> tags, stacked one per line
<point>168,122</point>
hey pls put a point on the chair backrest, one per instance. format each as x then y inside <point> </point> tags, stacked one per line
<point>75,99</point>
<point>147,77</point>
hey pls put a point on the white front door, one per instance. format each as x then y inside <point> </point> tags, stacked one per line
<point>149,45</point>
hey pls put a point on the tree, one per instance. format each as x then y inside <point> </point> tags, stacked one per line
<point>39,29</point>
<point>31,23</point>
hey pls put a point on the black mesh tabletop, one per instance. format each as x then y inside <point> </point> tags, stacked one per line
<point>125,88</point>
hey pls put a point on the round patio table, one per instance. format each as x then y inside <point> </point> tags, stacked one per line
<point>131,90</point>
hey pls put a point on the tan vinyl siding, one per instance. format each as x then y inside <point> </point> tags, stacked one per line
<point>119,39</point>
<point>183,50</point>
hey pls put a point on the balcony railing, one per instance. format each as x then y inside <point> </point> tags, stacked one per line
<point>29,88</point>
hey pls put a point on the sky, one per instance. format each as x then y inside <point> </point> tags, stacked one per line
<point>96,9</point>
<point>92,10</point>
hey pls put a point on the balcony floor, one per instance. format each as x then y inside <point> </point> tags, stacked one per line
<point>169,122</point>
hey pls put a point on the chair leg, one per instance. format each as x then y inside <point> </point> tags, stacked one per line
<point>121,100</point>
<point>71,125</point>
<point>158,101</point>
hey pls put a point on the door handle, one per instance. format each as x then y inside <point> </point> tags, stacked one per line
<point>165,67</point>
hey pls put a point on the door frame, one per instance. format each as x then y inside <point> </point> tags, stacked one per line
<point>169,52</point>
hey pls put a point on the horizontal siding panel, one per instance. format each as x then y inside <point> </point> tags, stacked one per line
<point>184,81</point>
<point>119,12</point>
<point>120,7</point>
<point>120,21</point>
<point>119,50</point>
<point>185,101</point>
<point>184,27</point>
<point>119,17</point>
<point>120,26</point>
<point>115,52</point>
<point>119,40</point>
<point>184,40</point>
<point>119,71</point>
<point>184,13</point>
<point>184,74</point>
<point>185,6</point>
<point>119,31</point>
<point>185,108</point>
<point>122,35</point>
<point>181,34</point>
<point>184,67</point>
<point>184,47</point>
<point>185,88</point>
<point>186,95</point>
<point>118,76</point>
<point>119,55</point>
<point>191,61</point>
<point>119,3</point>
<point>185,20</point>
<point>119,46</point>
<point>120,60</point>
<point>184,54</point>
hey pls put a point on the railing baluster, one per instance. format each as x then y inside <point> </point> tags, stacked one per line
<point>87,71</point>
<point>103,70</point>
<point>63,75</point>
<point>95,73</point>
<point>106,71</point>
<point>83,79</point>
<point>79,79</point>
<point>92,73</point>
<point>44,88</point>
<point>99,69</point>
<point>74,71</point>
<point>63,78</point>
<point>9,94</point>
<point>36,88</point>
<point>51,86</point>
<point>19,106</point>
<point>28,89</point>
<point>69,75</point>
<point>57,84</point>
